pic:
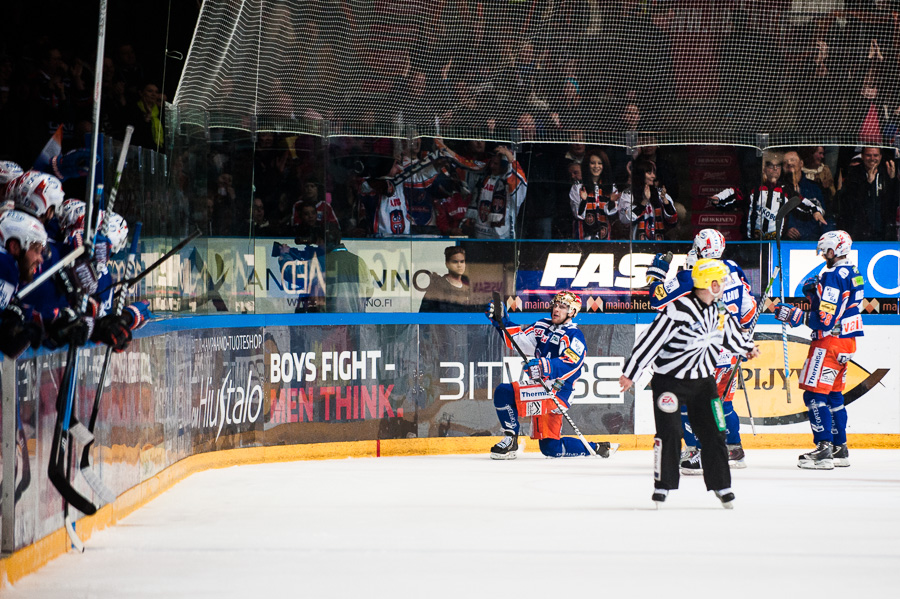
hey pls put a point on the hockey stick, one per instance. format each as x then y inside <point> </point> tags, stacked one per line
<point>93,480</point>
<point>746,396</point>
<point>565,411</point>
<point>737,366</point>
<point>63,262</point>
<point>59,448</point>
<point>135,280</point>
<point>779,223</point>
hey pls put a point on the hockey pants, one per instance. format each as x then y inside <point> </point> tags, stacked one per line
<point>704,411</point>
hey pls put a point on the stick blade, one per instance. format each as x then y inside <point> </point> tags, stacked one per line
<point>97,486</point>
<point>74,540</point>
<point>497,300</point>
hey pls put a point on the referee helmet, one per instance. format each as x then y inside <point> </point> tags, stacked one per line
<point>707,270</point>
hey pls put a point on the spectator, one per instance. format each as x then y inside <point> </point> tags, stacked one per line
<point>348,285</point>
<point>594,202</point>
<point>869,198</point>
<point>385,205</point>
<point>313,195</point>
<point>807,221</point>
<point>450,292</point>
<point>259,224</point>
<point>498,198</point>
<point>765,200</point>
<point>645,208</point>
<point>145,118</point>
<point>574,171</point>
<point>307,228</point>
<point>817,171</point>
<point>450,203</point>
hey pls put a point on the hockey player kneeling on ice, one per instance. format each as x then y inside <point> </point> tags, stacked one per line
<point>558,348</point>
<point>836,323</point>
<point>682,344</point>
<point>709,243</point>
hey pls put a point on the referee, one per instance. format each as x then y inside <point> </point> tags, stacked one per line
<point>682,344</point>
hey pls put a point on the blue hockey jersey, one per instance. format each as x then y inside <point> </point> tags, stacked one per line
<point>737,296</point>
<point>562,345</point>
<point>835,305</point>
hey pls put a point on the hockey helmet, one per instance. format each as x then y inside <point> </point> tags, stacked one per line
<point>709,243</point>
<point>569,300</point>
<point>117,231</point>
<point>71,215</point>
<point>9,171</point>
<point>839,241</point>
<point>35,192</point>
<point>21,226</point>
<point>707,270</point>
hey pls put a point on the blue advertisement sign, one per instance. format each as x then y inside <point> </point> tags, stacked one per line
<point>878,263</point>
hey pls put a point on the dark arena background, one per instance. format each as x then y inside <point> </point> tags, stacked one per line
<point>335,156</point>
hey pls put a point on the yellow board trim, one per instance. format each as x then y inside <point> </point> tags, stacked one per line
<point>33,557</point>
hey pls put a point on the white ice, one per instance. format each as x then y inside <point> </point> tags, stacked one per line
<point>467,526</point>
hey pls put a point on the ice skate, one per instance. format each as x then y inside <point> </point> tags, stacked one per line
<point>690,461</point>
<point>507,448</point>
<point>736,456</point>
<point>841,456</point>
<point>659,496</point>
<point>604,449</point>
<point>820,458</point>
<point>726,496</point>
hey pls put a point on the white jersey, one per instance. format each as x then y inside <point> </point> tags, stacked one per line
<point>392,217</point>
<point>496,204</point>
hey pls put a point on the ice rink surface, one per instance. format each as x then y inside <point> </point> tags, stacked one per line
<point>468,526</point>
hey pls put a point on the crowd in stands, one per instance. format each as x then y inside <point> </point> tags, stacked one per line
<point>430,187</point>
<point>285,185</point>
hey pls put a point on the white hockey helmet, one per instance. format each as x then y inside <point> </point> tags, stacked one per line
<point>21,226</point>
<point>117,231</point>
<point>839,241</point>
<point>709,243</point>
<point>71,215</point>
<point>9,171</point>
<point>35,192</point>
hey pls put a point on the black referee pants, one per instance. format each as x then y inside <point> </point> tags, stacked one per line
<point>698,396</point>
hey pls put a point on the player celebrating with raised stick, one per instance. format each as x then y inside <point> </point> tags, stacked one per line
<point>559,349</point>
<point>836,323</point>
<point>683,344</point>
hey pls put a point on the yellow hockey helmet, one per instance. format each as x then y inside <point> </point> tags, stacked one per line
<point>707,270</point>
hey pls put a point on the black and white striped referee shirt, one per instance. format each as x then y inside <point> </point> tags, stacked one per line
<point>685,339</point>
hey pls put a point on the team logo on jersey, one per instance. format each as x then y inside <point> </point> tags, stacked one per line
<point>827,308</point>
<point>571,355</point>
<point>830,294</point>
<point>667,402</point>
<point>578,346</point>
<point>660,292</point>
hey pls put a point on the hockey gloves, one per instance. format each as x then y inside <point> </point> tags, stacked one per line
<point>115,330</point>
<point>538,368</point>
<point>77,279</point>
<point>71,165</point>
<point>17,332</point>
<point>659,269</point>
<point>497,314</point>
<point>789,314</point>
<point>67,327</point>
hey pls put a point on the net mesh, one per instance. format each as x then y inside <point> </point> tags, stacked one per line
<point>620,72</point>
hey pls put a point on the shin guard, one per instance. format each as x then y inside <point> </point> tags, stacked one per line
<point>819,416</point>
<point>838,417</point>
